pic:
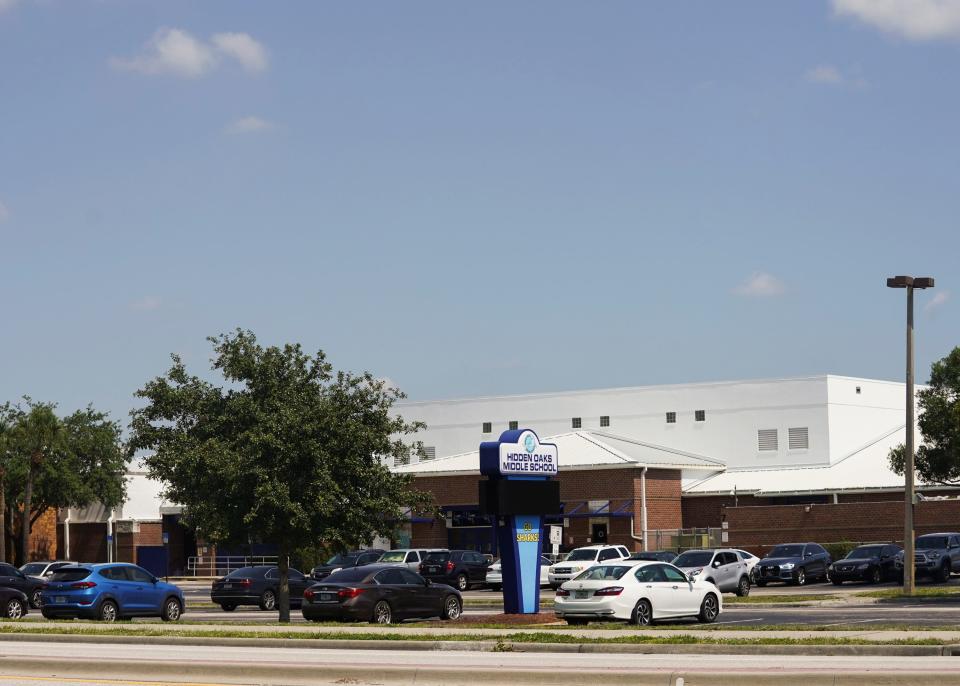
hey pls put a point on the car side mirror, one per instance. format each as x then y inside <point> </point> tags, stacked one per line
<point>716,563</point>
<point>427,582</point>
<point>691,578</point>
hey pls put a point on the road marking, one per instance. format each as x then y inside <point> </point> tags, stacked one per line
<point>115,682</point>
<point>740,621</point>
<point>858,621</point>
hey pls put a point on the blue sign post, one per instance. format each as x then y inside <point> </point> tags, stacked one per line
<point>518,494</point>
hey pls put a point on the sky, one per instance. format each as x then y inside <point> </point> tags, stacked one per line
<point>475,198</point>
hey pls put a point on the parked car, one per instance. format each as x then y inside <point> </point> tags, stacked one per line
<point>13,603</point>
<point>654,555</point>
<point>411,559</point>
<point>259,585</point>
<point>581,559</point>
<point>495,574</point>
<point>31,586</point>
<point>636,592</point>
<point>458,568</point>
<point>870,563</point>
<point>794,563</point>
<point>356,558</point>
<point>935,555</point>
<point>751,560</point>
<point>381,594</point>
<point>724,568</point>
<point>44,568</point>
<point>109,592</point>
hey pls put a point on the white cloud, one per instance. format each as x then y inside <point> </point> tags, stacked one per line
<point>937,301</point>
<point>917,20</point>
<point>248,125</point>
<point>147,303</point>
<point>171,51</point>
<point>243,48</point>
<point>761,284</point>
<point>824,73</point>
<point>4,212</point>
<point>177,52</point>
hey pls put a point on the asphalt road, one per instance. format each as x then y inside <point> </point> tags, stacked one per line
<point>92,663</point>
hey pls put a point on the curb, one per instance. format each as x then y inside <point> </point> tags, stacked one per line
<point>897,650</point>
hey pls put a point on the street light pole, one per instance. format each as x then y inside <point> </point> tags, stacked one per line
<point>909,564</point>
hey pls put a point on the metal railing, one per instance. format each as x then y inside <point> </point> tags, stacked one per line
<point>220,565</point>
<point>684,539</point>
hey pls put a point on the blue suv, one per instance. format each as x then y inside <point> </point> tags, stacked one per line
<point>109,592</point>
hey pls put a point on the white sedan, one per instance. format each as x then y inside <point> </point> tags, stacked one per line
<point>495,574</point>
<point>636,592</point>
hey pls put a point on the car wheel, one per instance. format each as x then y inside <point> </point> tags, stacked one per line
<point>642,613</point>
<point>451,608</point>
<point>382,613</point>
<point>171,610</point>
<point>876,577</point>
<point>268,601</point>
<point>462,582</point>
<point>837,582</point>
<point>36,599</point>
<point>709,609</point>
<point>108,611</point>
<point>14,609</point>
<point>944,573</point>
<point>800,578</point>
<point>743,588</point>
<point>47,615</point>
<point>227,607</point>
<point>761,584</point>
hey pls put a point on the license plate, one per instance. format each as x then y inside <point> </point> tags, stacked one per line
<point>228,585</point>
<point>326,597</point>
<point>60,599</point>
<point>432,570</point>
<point>580,595</point>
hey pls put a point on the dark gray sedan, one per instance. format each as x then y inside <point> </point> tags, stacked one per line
<point>256,586</point>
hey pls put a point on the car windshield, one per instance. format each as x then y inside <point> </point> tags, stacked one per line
<point>932,542</point>
<point>582,555</point>
<point>604,572</point>
<point>393,556</point>
<point>787,551</point>
<point>34,568</point>
<point>437,557</point>
<point>244,572</point>
<point>865,551</point>
<point>70,574</point>
<point>348,576</point>
<point>342,559</point>
<point>694,558</point>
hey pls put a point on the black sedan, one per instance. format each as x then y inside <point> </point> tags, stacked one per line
<point>31,586</point>
<point>871,563</point>
<point>357,558</point>
<point>381,594</point>
<point>256,586</point>
<point>13,603</point>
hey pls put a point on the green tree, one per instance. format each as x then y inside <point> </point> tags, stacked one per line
<point>938,457</point>
<point>51,462</point>
<point>285,452</point>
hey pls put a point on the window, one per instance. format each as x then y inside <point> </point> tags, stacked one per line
<point>700,415</point>
<point>139,575</point>
<point>605,420</point>
<point>575,422</point>
<point>608,554</point>
<point>391,577</point>
<point>727,558</point>
<point>487,427</point>
<point>413,556</point>
<point>429,452</point>
<point>671,417</point>
<point>650,573</point>
<point>410,578</point>
<point>798,438</point>
<point>514,425</point>
<point>767,440</point>
<point>673,574</point>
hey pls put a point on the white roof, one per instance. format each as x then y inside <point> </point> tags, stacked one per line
<point>866,468</point>
<point>580,450</point>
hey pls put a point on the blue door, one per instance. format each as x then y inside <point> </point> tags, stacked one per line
<point>153,558</point>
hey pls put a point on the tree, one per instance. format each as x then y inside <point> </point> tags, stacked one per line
<point>51,462</point>
<point>938,457</point>
<point>287,452</point>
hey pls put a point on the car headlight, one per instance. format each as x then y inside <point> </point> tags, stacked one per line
<point>788,565</point>
<point>694,572</point>
<point>934,556</point>
<point>863,566</point>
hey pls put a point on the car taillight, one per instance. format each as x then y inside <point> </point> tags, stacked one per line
<point>82,585</point>
<point>347,593</point>
<point>308,594</point>
<point>450,565</point>
<point>246,583</point>
<point>609,590</point>
<point>562,592</point>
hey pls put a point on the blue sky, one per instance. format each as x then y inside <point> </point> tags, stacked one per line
<point>475,198</point>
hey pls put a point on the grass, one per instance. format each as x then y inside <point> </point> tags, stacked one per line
<point>934,592</point>
<point>501,642</point>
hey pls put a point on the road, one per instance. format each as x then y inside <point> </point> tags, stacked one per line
<point>184,663</point>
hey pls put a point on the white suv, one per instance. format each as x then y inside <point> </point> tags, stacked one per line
<point>583,558</point>
<point>408,557</point>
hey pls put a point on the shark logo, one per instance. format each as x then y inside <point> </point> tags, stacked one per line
<point>530,443</point>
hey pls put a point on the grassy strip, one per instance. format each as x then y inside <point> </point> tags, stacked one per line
<point>540,637</point>
<point>949,592</point>
<point>752,599</point>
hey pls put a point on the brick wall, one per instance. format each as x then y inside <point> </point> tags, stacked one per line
<point>43,537</point>
<point>757,528</point>
<point>708,511</point>
<point>127,542</point>
<point>88,542</point>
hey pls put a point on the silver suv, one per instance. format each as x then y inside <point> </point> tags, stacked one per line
<point>725,568</point>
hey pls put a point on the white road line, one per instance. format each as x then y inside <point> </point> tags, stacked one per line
<point>859,621</point>
<point>740,621</point>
